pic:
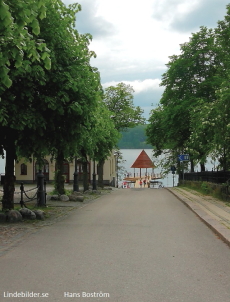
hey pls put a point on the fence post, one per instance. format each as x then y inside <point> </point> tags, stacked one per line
<point>41,191</point>
<point>22,191</point>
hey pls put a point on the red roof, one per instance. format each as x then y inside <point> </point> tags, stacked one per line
<point>143,161</point>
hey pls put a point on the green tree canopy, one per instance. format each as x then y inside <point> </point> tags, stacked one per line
<point>48,111</point>
<point>19,27</point>
<point>193,115</point>
<point>119,100</point>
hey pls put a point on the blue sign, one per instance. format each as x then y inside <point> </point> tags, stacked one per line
<point>183,157</point>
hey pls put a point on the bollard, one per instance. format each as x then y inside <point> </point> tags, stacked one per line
<point>45,190</point>
<point>41,191</point>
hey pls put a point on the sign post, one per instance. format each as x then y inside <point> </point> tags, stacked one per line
<point>182,158</point>
<point>173,169</point>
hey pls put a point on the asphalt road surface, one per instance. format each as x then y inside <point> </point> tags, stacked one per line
<point>134,245</point>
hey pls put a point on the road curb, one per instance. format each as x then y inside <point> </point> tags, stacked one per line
<point>219,229</point>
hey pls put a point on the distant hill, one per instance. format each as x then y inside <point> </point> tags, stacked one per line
<point>134,138</point>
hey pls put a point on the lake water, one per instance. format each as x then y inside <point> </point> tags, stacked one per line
<point>129,157</point>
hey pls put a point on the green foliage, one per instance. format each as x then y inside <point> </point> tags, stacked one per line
<point>216,190</point>
<point>119,100</point>
<point>104,134</point>
<point>134,138</point>
<point>19,26</point>
<point>157,131</point>
<point>193,115</point>
<point>47,111</point>
<point>204,187</point>
<point>72,86</point>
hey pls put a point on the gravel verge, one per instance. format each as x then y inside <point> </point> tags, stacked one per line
<point>11,234</point>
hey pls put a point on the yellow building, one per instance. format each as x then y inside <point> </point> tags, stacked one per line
<point>26,171</point>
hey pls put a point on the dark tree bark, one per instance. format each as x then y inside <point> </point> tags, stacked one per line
<point>85,171</point>
<point>224,161</point>
<point>59,177</point>
<point>202,167</point>
<point>100,170</point>
<point>192,165</point>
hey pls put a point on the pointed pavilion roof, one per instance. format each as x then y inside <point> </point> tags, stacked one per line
<point>143,161</point>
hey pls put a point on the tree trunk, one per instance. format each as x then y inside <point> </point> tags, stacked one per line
<point>85,172</point>
<point>192,166</point>
<point>9,186</point>
<point>202,167</point>
<point>100,173</point>
<point>59,177</point>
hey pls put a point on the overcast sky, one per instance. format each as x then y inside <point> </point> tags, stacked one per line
<point>134,39</point>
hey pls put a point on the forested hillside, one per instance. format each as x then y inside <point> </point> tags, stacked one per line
<point>134,138</point>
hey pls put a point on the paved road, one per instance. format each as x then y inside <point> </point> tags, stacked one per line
<point>137,245</point>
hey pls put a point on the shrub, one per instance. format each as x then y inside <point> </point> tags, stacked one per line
<point>216,190</point>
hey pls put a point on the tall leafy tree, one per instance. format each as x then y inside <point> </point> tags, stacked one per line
<point>221,125</point>
<point>191,76</point>
<point>72,84</point>
<point>20,48</point>
<point>119,100</point>
<point>221,117</point>
<point>157,130</point>
<point>222,33</point>
<point>106,136</point>
<point>46,111</point>
<point>99,142</point>
<point>123,112</point>
<point>211,119</point>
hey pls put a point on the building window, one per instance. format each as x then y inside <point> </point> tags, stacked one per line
<point>23,169</point>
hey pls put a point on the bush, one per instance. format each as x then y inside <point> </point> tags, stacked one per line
<point>216,190</point>
<point>205,187</point>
